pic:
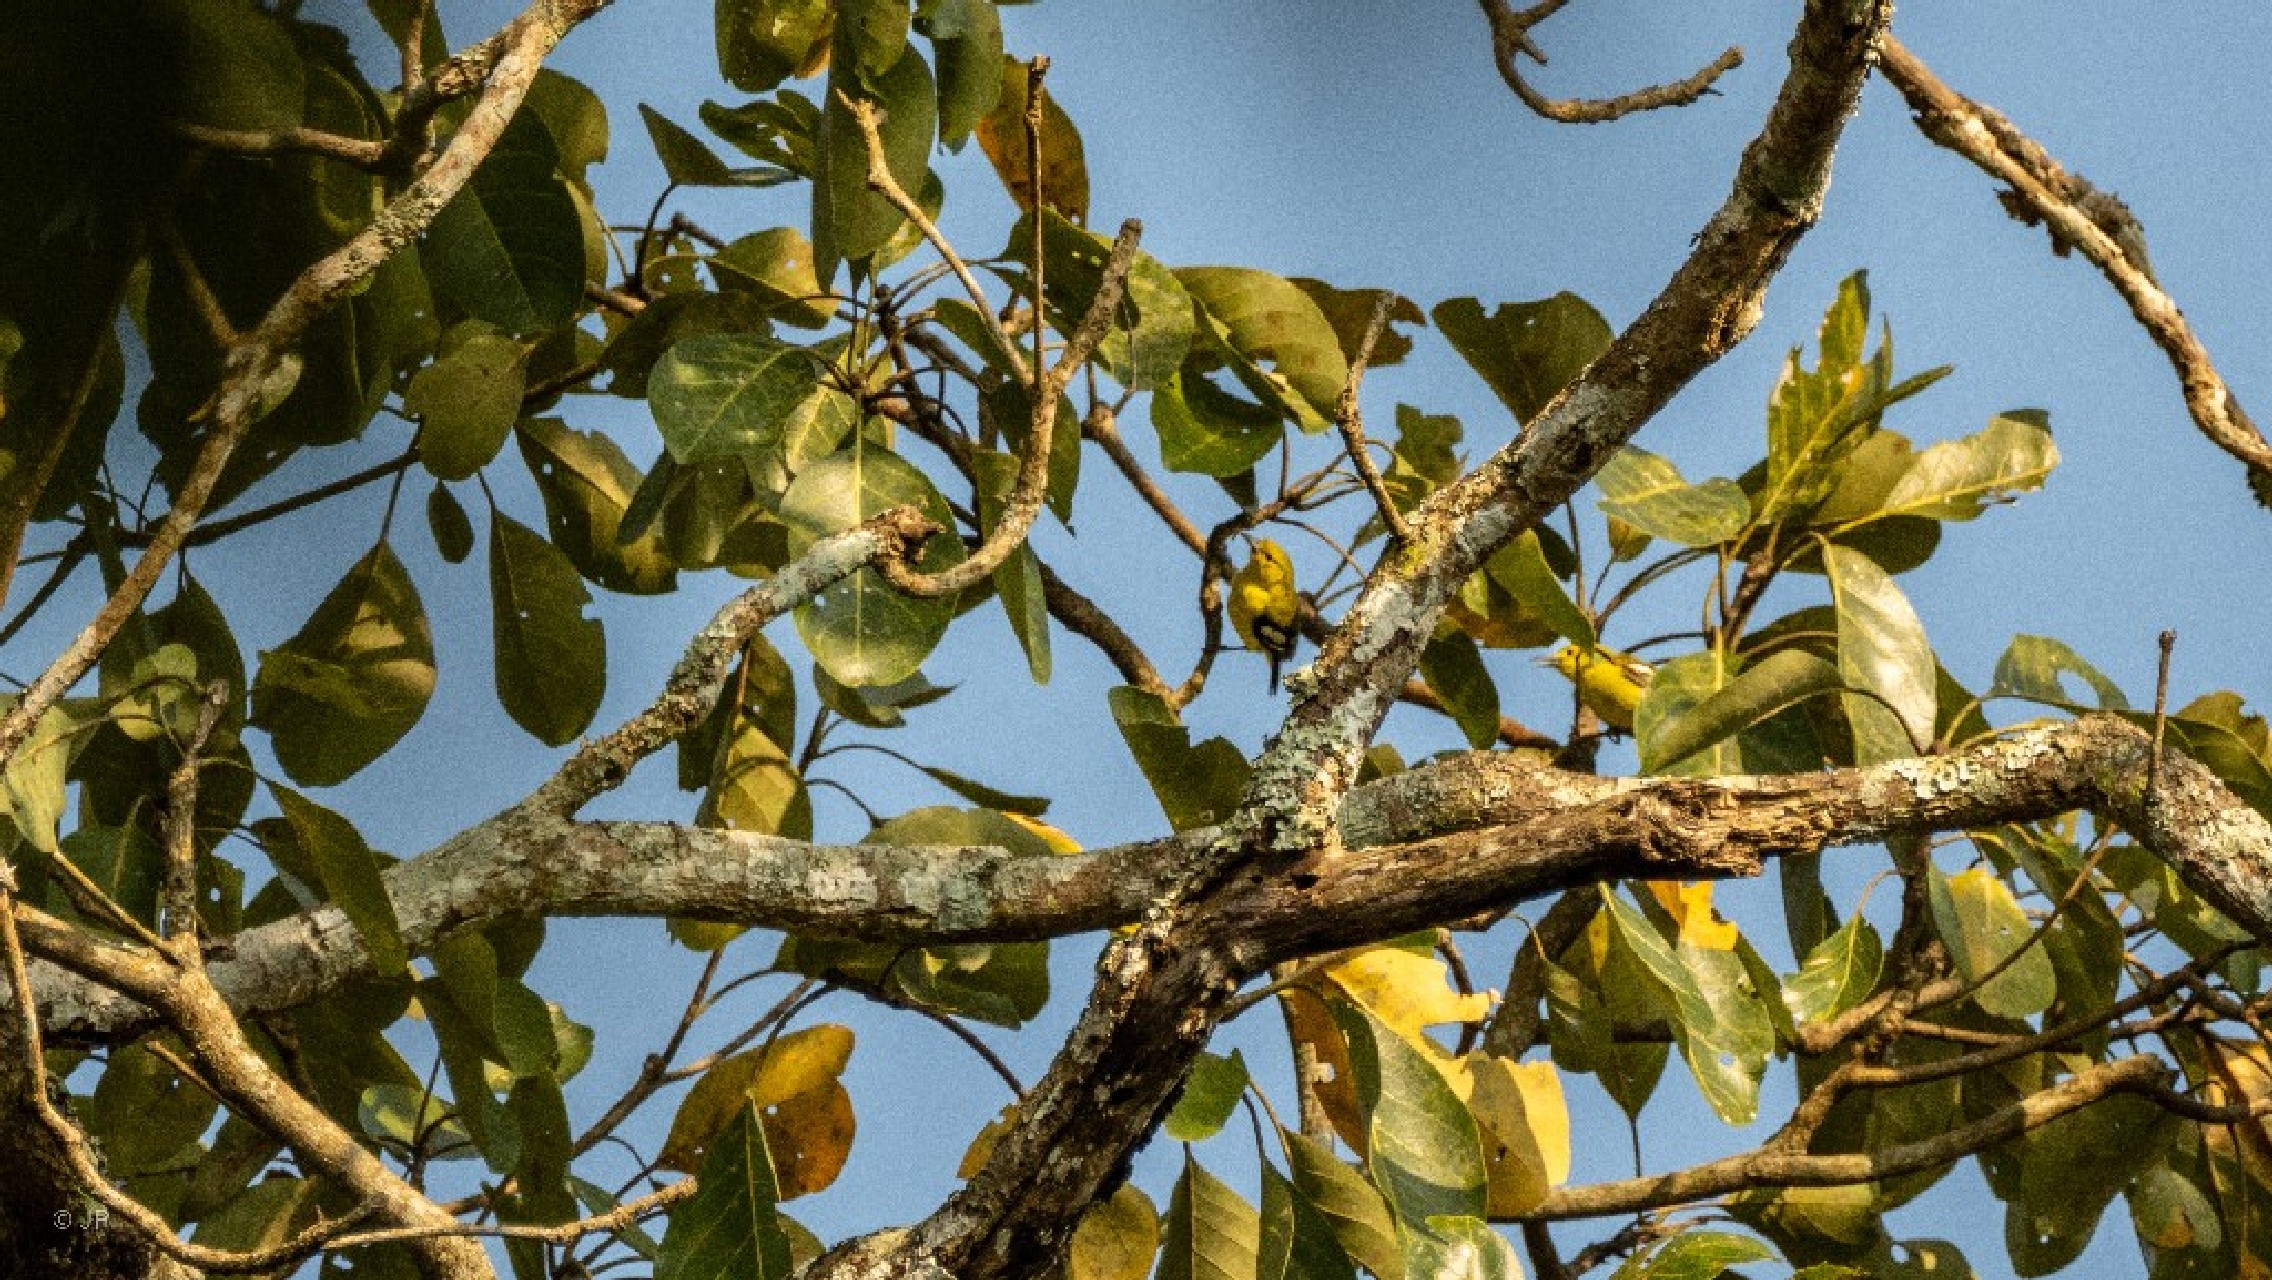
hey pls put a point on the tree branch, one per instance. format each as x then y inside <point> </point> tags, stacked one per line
<point>1510,42</point>
<point>2082,217</point>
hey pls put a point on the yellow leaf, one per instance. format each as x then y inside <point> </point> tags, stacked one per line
<point>1407,992</point>
<point>807,1114</point>
<point>1525,1127</point>
<point>1690,904</point>
<point>1311,1025</point>
<point>1116,1238</point>
<point>981,1147</point>
<point>1057,840</point>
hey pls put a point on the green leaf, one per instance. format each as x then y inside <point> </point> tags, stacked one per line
<point>1781,680</point>
<point>878,32</point>
<point>34,777</point>
<point>966,40</point>
<point>447,521</point>
<point>1838,974</point>
<point>551,659</point>
<point>1882,648</point>
<point>1205,430</point>
<point>1958,479</point>
<point>509,248</point>
<point>1524,570</point>
<point>1693,1255</point>
<point>1209,1231</point>
<point>689,162</point>
<point>851,222</point>
<point>236,66</point>
<point>2031,666</point>
<point>572,114</point>
<point>1297,1241</point>
<point>124,862</point>
<point>467,401</point>
<point>776,265</point>
<point>1453,668</point>
<point>587,483</point>
<point>1351,1206</point>
<point>353,680</point>
<point>2070,1170</point>
<point>349,872</point>
<point>1982,924</point>
<point>727,395</point>
<point>1460,1247</point>
<point>1723,1030</point>
<point>763,42</point>
<point>1422,1147</point>
<point>1680,686</point>
<point>1210,1093</point>
<point>1005,406</point>
<point>1198,786</point>
<point>861,630</point>
<point>1254,316</point>
<point>730,1228</point>
<point>1647,492</point>
<point>1350,312</point>
<point>1525,351</point>
<point>986,797</point>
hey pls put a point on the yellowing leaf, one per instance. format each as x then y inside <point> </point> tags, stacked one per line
<point>1057,840</point>
<point>1689,903</point>
<point>981,1147</point>
<point>1311,1025</point>
<point>793,1082</point>
<point>1407,991</point>
<point>1116,1238</point>
<point>1526,1128</point>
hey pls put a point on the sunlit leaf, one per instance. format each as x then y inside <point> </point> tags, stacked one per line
<point>1064,166</point>
<point>1115,1239</point>
<point>1256,317</point>
<point>1647,493</point>
<point>1958,479</point>
<point>1210,1093</point>
<point>1351,1206</point>
<point>1422,1147</point>
<point>1837,974</point>
<point>1210,1232</point>
<point>861,630</point>
<point>1982,926</point>
<point>1722,1027</point>
<point>1779,681</point>
<point>1881,648</point>
<point>2031,667</point>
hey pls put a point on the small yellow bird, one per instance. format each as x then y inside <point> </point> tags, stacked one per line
<point>1264,605</point>
<point>1609,683</point>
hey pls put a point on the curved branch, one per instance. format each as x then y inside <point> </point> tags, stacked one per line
<point>2081,217</point>
<point>1510,42</point>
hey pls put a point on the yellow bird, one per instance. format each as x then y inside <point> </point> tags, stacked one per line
<point>1264,605</point>
<point>1609,683</point>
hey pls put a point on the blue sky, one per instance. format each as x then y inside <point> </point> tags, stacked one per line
<point>1372,145</point>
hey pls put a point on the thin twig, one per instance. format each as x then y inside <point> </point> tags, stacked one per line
<point>1350,418</point>
<point>363,153</point>
<point>1510,40</point>
<point>2161,714</point>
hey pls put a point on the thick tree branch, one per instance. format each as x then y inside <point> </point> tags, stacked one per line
<point>2082,217</point>
<point>1435,843</point>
